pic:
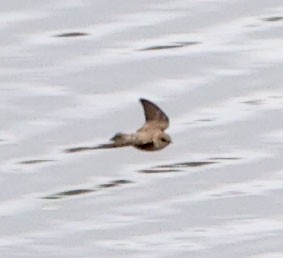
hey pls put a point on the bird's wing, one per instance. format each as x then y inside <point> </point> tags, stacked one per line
<point>154,116</point>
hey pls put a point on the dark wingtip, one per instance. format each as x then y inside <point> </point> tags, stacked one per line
<point>142,100</point>
<point>116,137</point>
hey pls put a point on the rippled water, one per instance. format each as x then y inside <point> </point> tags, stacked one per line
<point>71,76</point>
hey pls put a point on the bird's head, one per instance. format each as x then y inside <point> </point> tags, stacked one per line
<point>163,139</point>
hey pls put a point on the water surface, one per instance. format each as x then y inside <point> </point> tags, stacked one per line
<point>71,76</point>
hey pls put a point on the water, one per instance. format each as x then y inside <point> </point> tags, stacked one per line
<point>71,76</point>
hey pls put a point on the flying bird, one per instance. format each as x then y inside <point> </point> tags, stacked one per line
<point>150,137</point>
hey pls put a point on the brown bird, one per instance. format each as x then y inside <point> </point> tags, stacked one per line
<point>150,137</point>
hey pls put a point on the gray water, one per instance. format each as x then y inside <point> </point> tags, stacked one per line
<point>71,76</point>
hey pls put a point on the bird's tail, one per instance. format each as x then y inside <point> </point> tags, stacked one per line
<point>118,140</point>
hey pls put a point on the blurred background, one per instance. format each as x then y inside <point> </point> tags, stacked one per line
<point>71,75</point>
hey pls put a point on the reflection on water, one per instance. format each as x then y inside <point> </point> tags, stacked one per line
<point>188,164</point>
<point>225,158</point>
<point>175,45</point>
<point>74,192</point>
<point>274,19</point>
<point>254,102</point>
<point>68,193</point>
<point>71,34</point>
<point>36,161</point>
<point>156,170</point>
<point>175,167</point>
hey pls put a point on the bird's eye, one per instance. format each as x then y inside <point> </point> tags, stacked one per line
<point>163,140</point>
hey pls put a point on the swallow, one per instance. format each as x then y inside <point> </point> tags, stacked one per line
<point>150,137</point>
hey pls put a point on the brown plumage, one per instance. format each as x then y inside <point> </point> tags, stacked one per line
<point>150,136</point>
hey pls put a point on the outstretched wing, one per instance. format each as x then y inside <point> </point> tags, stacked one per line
<point>154,115</point>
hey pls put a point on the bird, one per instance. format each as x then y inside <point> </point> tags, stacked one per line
<point>150,137</point>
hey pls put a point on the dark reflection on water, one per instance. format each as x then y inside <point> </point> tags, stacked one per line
<point>68,193</point>
<point>154,171</point>
<point>273,19</point>
<point>204,120</point>
<point>225,158</point>
<point>74,192</point>
<point>35,161</point>
<point>187,164</point>
<point>175,45</point>
<point>114,183</point>
<point>228,193</point>
<point>175,167</point>
<point>71,34</point>
<point>253,102</point>
<point>201,120</point>
<point>276,97</point>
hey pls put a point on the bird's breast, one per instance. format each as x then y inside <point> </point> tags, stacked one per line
<point>146,146</point>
